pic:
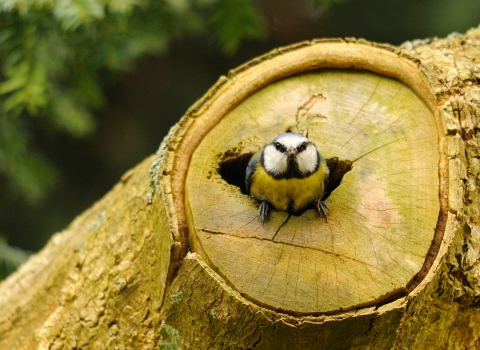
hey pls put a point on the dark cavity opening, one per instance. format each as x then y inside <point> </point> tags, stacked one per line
<point>233,172</point>
<point>338,168</point>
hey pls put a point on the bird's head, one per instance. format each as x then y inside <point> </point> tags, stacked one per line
<point>290,155</point>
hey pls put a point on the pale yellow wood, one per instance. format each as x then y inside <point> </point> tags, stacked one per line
<point>383,215</point>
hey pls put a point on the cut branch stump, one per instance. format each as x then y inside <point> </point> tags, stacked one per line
<point>188,264</point>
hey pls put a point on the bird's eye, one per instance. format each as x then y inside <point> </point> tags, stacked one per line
<point>280,147</point>
<point>302,147</point>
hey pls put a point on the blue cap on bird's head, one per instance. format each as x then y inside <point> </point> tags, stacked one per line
<point>289,134</point>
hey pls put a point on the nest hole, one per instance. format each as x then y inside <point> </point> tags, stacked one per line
<point>338,168</point>
<point>233,172</point>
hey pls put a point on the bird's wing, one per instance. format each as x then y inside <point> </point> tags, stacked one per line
<point>252,164</point>
<point>326,179</point>
<point>327,175</point>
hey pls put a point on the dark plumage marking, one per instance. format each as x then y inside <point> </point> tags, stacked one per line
<point>302,147</point>
<point>280,147</point>
<point>252,164</point>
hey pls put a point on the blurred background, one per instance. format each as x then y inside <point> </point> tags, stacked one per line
<point>90,88</point>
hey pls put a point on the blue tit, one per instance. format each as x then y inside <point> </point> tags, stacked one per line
<point>289,175</point>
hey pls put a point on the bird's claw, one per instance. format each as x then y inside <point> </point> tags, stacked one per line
<point>322,208</point>
<point>263,211</point>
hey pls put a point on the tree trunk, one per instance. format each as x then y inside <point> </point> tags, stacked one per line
<point>187,264</point>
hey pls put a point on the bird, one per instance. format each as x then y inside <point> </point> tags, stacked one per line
<point>289,175</point>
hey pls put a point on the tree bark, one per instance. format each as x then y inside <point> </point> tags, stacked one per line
<point>185,263</point>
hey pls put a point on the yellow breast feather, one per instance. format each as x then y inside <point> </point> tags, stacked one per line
<point>292,195</point>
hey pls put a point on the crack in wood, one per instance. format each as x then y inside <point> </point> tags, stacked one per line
<point>298,246</point>
<point>375,149</point>
<point>361,109</point>
<point>280,227</point>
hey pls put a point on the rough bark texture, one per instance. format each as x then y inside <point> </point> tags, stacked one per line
<point>98,284</point>
<point>120,276</point>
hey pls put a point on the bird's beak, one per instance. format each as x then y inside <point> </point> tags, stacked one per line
<point>292,152</point>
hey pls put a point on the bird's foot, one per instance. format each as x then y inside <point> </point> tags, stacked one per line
<point>322,208</point>
<point>263,211</point>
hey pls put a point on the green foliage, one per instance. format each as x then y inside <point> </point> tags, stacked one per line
<point>328,3</point>
<point>10,258</point>
<point>52,53</point>
<point>28,171</point>
<point>235,20</point>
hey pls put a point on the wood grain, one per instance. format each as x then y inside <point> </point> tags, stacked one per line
<point>383,215</point>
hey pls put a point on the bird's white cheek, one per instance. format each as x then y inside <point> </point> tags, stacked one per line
<point>307,161</point>
<point>275,163</point>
